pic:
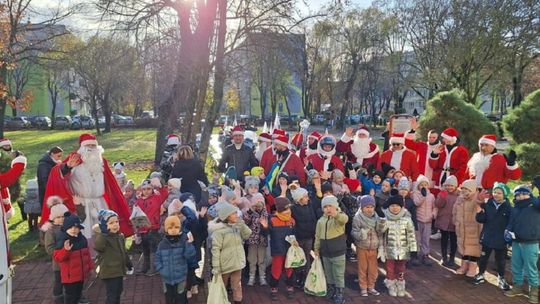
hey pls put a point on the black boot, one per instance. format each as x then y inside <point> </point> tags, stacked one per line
<point>330,291</point>
<point>451,259</point>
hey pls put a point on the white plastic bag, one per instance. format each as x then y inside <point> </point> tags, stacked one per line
<point>217,293</point>
<point>138,218</point>
<point>315,281</point>
<point>295,255</point>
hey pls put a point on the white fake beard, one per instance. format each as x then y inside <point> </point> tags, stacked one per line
<point>92,159</point>
<point>260,150</point>
<point>479,163</point>
<point>360,147</point>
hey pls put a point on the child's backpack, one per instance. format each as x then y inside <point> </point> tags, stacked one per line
<point>31,200</point>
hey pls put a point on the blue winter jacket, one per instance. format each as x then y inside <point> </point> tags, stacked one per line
<point>495,220</point>
<point>525,220</point>
<point>172,259</point>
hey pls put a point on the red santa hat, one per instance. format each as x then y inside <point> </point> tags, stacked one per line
<point>488,139</point>
<point>237,130</point>
<point>297,140</point>
<point>397,138</point>
<point>5,142</point>
<point>265,137</point>
<point>315,135</point>
<point>362,130</point>
<point>450,134</point>
<point>278,132</point>
<point>173,140</point>
<point>281,140</point>
<point>87,139</point>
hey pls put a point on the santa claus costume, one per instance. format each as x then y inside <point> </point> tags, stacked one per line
<point>265,141</point>
<point>452,160</point>
<point>310,148</point>
<point>6,180</point>
<point>90,183</point>
<point>325,160</point>
<point>423,151</point>
<point>359,149</point>
<point>401,159</point>
<point>286,161</point>
<point>269,155</point>
<point>491,168</point>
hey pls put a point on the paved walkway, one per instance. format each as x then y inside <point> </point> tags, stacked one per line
<point>436,284</point>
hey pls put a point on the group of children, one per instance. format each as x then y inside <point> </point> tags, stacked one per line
<point>386,216</point>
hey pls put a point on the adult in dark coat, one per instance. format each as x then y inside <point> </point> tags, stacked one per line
<point>45,165</point>
<point>190,171</point>
<point>238,154</point>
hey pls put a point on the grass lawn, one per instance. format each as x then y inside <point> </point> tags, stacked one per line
<point>135,147</point>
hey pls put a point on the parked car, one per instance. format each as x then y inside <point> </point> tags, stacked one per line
<point>122,121</point>
<point>42,122</point>
<point>17,123</point>
<point>147,114</point>
<point>101,121</point>
<point>318,119</point>
<point>82,122</point>
<point>62,122</point>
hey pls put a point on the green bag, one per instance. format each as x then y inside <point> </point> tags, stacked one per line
<point>316,281</point>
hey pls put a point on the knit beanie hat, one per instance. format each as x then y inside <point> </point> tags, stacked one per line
<point>379,174</point>
<point>326,187</point>
<point>394,200</point>
<point>337,174</point>
<point>226,209</point>
<point>421,179</point>
<point>186,196</point>
<point>71,220</point>
<point>298,193</point>
<point>522,189</point>
<point>404,184</point>
<point>256,171</point>
<point>146,183</point>
<point>365,200</point>
<point>251,181</point>
<point>176,183</point>
<point>170,222</point>
<point>470,184</point>
<point>155,174</point>
<point>329,200</point>
<point>451,180</point>
<point>284,175</point>
<point>311,174</point>
<point>257,199</point>
<point>503,187</point>
<point>104,215</point>
<point>282,203</point>
<point>227,193</point>
<point>129,185</point>
<point>57,210</point>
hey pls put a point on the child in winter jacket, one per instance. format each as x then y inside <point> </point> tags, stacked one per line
<point>257,241</point>
<point>52,229</point>
<point>305,216</point>
<point>382,195</point>
<point>119,174</point>
<point>495,215</point>
<point>399,242</point>
<point>113,260</point>
<point>367,232</point>
<point>228,255</point>
<point>130,194</point>
<point>331,245</point>
<point>173,186</point>
<point>339,187</point>
<point>425,213</point>
<point>73,256</point>
<point>173,256</point>
<point>281,224</point>
<point>524,233</point>
<point>467,228</point>
<point>445,204</point>
<point>150,203</point>
<point>372,185</point>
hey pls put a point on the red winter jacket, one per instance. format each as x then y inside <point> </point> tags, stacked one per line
<point>456,165</point>
<point>318,162</point>
<point>75,265</point>
<point>151,206</point>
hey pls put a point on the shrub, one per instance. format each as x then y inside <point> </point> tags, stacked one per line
<point>528,156</point>
<point>449,109</point>
<point>523,122</point>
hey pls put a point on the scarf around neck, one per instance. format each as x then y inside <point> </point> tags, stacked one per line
<point>286,217</point>
<point>395,217</point>
<point>369,221</point>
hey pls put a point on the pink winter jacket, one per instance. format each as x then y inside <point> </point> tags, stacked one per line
<point>425,206</point>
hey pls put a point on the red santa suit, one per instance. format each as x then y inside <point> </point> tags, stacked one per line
<point>488,169</point>
<point>265,141</point>
<point>94,189</point>
<point>453,159</point>
<point>359,150</point>
<point>292,164</point>
<point>309,150</point>
<point>423,151</point>
<point>269,155</point>
<point>325,160</point>
<point>8,179</point>
<point>403,159</point>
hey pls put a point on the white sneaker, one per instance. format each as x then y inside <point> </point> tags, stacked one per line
<point>188,294</point>
<point>195,289</point>
<point>251,281</point>
<point>262,281</point>
<point>436,236</point>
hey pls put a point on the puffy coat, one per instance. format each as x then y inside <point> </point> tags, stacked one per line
<point>258,233</point>
<point>113,259</point>
<point>50,242</point>
<point>330,237</point>
<point>151,206</point>
<point>228,246</point>
<point>172,259</point>
<point>365,236</point>
<point>75,265</point>
<point>525,220</point>
<point>425,206</point>
<point>306,218</point>
<point>445,205</point>
<point>495,221</point>
<point>278,230</point>
<point>467,228</point>
<point>399,237</point>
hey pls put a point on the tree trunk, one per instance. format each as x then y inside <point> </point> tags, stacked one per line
<point>219,81</point>
<point>347,94</point>
<point>517,82</point>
